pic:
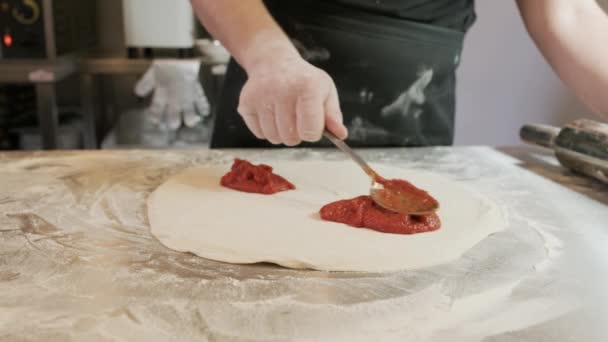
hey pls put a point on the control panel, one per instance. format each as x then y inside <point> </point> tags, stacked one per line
<point>22,29</point>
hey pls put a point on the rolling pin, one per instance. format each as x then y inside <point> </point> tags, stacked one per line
<point>581,146</point>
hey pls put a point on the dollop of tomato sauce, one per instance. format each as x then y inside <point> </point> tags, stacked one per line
<point>244,176</point>
<point>399,186</point>
<point>363,212</point>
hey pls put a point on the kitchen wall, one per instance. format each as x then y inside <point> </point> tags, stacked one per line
<point>111,34</point>
<point>116,91</point>
<point>504,82</point>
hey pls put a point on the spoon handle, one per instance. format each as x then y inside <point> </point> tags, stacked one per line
<point>352,154</point>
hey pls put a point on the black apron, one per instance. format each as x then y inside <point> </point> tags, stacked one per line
<point>393,63</point>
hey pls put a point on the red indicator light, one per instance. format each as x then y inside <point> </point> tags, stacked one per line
<point>7,39</point>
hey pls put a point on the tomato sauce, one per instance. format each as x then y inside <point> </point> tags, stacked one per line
<point>363,212</point>
<point>244,176</point>
<point>398,186</point>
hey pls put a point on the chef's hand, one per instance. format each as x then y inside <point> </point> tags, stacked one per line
<point>178,95</point>
<point>288,100</point>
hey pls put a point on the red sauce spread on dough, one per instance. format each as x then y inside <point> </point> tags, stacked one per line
<point>363,212</point>
<point>247,177</point>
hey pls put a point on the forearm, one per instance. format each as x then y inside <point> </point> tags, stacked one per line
<point>246,29</point>
<point>572,36</point>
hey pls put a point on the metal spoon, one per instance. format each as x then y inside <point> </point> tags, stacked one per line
<point>383,192</point>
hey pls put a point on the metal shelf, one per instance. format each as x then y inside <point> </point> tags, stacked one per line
<point>37,71</point>
<point>46,72</point>
<point>116,65</point>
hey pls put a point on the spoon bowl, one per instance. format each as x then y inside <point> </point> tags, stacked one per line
<point>395,195</point>
<point>393,198</point>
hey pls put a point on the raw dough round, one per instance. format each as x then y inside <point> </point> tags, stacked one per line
<point>192,212</point>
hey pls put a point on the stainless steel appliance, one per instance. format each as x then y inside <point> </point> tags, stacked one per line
<point>46,29</point>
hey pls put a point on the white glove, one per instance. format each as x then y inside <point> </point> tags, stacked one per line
<point>289,101</point>
<point>178,94</point>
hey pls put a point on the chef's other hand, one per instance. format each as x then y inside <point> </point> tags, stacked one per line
<point>289,100</point>
<point>178,95</point>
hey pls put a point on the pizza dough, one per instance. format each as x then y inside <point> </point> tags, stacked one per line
<point>192,212</point>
